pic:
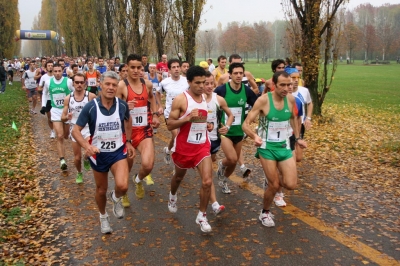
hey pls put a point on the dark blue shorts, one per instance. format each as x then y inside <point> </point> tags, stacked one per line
<point>103,161</point>
<point>215,145</point>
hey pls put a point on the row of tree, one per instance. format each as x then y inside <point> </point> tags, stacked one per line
<point>9,23</point>
<point>114,27</point>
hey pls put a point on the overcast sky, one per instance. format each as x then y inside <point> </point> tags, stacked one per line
<point>223,11</point>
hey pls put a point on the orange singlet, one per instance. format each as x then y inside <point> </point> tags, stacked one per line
<point>141,115</point>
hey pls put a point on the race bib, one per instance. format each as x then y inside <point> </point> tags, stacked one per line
<point>109,141</point>
<point>277,131</point>
<point>197,133</point>
<point>92,82</point>
<point>139,116</point>
<point>237,116</point>
<point>58,99</point>
<point>155,86</point>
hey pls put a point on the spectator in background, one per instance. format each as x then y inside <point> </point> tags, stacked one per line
<point>145,63</point>
<point>211,66</point>
<point>3,77</point>
<point>204,65</point>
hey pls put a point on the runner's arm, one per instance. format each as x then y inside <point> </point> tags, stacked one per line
<point>224,106</point>
<point>45,92</point>
<point>64,115</point>
<point>121,90</point>
<point>253,84</point>
<point>223,79</point>
<point>260,107</point>
<point>38,75</point>
<point>178,104</point>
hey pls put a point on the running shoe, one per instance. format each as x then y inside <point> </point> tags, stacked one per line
<point>125,201</point>
<point>225,189</point>
<point>118,209</point>
<point>63,165</point>
<point>245,171</point>
<point>149,180</point>
<point>219,210</point>
<point>267,219</point>
<point>79,178</point>
<point>86,164</point>
<point>52,135</point>
<point>221,171</point>
<point>203,222</point>
<point>154,130</point>
<point>105,225</point>
<point>32,112</point>
<point>172,207</point>
<point>278,199</point>
<point>167,157</point>
<point>139,189</point>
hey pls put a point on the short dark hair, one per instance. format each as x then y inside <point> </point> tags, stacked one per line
<point>209,74</point>
<point>48,62</point>
<point>235,65</point>
<point>117,58</point>
<point>210,59</point>
<point>183,62</point>
<point>121,66</point>
<point>296,64</point>
<point>174,60</point>
<point>57,65</point>
<point>60,60</point>
<point>79,75</point>
<point>100,57</point>
<point>133,57</point>
<point>221,57</point>
<point>144,55</point>
<point>276,63</point>
<point>33,61</point>
<point>74,65</point>
<point>234,56</point>
<point>194,71</point>
<point>278,74</point>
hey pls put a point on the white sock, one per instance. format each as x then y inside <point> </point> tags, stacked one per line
<point>114,197</point>
<point>103,215</point>
<point>172,197</point>
<point>242,166</point>
<point>137,180</point>
<point>201,214</point>
<point>215,205</point>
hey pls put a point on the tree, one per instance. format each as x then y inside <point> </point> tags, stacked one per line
<point>188,14</point>
<point>9,23</point>
<point>262,40</point>
<point>316,18</point>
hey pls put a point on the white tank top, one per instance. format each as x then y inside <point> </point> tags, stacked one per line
<point>75,107</point>
<point>213,107</point>
<point>108,136</point>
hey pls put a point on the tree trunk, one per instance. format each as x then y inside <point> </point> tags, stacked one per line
<point>110,34</point>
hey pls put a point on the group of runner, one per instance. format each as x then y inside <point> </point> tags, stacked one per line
<point>204,111</point>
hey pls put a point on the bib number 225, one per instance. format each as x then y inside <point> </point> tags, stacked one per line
<point>108,145</point>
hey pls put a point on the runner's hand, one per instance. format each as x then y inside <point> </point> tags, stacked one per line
<point>156,122</point>
<point>223,130</point>
<point>131,104</point>
<point>257,141</point>
<point>307,124</point>
<point>210,126</point>
<point>92,150</point>
<point>69,116</point>
<point>43,110</point>
<point>302,143</point>
<point>131,151</point>
<point>194,113</point>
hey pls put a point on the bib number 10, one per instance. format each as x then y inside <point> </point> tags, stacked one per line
<point>108,145</point>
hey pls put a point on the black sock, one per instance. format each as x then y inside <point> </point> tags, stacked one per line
<point>61,158</point>
<point>265,211</point>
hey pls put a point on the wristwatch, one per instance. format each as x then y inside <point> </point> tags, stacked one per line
<point>296,139</point>
<point>309,118</point>
<point>229,127</point>
<point>156,113</point>
<point>128,140</point>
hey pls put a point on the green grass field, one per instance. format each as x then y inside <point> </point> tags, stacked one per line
<point>375,86</point>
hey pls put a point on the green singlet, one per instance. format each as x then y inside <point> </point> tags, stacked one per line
<point>236,103</point>
<point>58,92</point>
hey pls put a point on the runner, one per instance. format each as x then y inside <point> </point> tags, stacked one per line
<point>172,86</point>
<point>73,105</point>
<point>236,95</point>
<point>40,71</point>
<point>109,124</point>
<point>184,68</point>
<point>46,109</point>
<point>211,66</point>
<point>276,65</point>
<point>215,104</point>
<point>10,71</point>
<point>29,84</point>
<point>123,71</point>
<point>138,93</point>
<point>155,78</point>
<point>220,69</point>
<point>299,68</point>
<point>277,114</point>
<point>58,87</point>
<point>93,77</point>
<point>162,67</point>
<point>145,63</point>
<point>192,146</point>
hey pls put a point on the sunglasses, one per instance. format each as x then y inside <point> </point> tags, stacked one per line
<point>79,82</point>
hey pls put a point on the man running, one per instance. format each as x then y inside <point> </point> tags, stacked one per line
<point>73,105</point>
<point>276,65</point>
<point>236,95</point>
<point>162,67</point>
<point>191,147</point>
<point>138,93</point>
<point>109,124</point>
<point>277,114</point>
<point>172,86</point>
<point>29,84</point>
<point>10,72</point>
<point>215,104</point>
<point>58,88</point>
<point>184,68</point>
<point>46,110</point>
<point>92,77</point>
<point>220,69</point>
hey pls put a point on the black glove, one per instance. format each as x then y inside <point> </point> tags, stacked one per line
<point>43,110</point>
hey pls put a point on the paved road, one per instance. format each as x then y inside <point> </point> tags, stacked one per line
<point>328,221</point>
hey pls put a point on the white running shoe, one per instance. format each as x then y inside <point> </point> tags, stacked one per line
<point>267,219</point>
<point>203,222</point>
<point>105,225</point>
<point>118,209</point>
<point>221,209</point>
<point>52,135</point>
<point>167,157</point>
<point>278,199</point>
<point>221,171</point>
<point>225,189</point>
<point>245,171</point>
<point>172,207</point>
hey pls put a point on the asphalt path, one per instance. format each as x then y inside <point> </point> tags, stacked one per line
<point>327,221</point>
